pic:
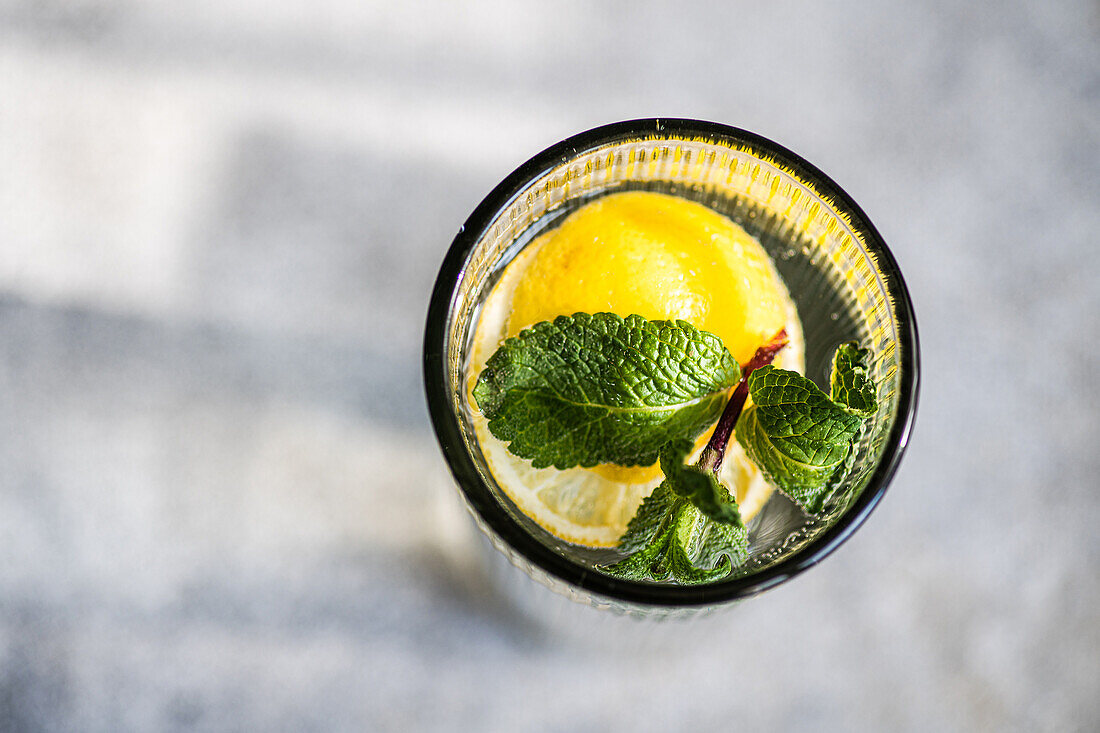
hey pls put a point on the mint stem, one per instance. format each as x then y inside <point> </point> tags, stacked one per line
<point>711,457</point>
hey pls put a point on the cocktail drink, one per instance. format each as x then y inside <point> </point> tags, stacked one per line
<point>654,247</point>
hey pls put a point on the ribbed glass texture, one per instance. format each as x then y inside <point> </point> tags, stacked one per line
<point>830,258</point>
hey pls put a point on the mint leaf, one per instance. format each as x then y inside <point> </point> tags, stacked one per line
<point>686,572</point>
<point>646,562</point>
<point>648,519</point>
<point>698,486</point>
<point>795,434</point>
<point>721,540</point>
<point>681,532</point>
<point>588,389</point>
<point>654,558</point>
<point>835,481</point>
<point>851,385</point>
<point>690,566</point>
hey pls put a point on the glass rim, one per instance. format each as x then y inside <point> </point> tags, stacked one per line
<point>449,432</point>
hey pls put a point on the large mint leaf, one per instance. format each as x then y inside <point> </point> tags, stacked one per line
<point>795,434</point>
<point>588,389</point>
<point>851,385</point>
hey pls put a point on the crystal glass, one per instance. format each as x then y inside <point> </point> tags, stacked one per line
<point>844,281</point>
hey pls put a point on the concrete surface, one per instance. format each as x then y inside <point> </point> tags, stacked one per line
<point>221,506</point>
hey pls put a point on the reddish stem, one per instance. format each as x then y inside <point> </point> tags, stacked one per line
<point>711,457</point>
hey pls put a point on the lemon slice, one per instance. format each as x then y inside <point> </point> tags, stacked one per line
<point>585,507</point>
<point>576,505</point>
<point>662,258</point>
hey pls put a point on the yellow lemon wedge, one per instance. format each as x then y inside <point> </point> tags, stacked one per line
<point>661,257</point>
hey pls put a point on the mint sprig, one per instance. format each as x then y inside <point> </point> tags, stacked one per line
<point>588,389</point>
<point>671,537</point>
<point>690,527</point>
<point>799,437</point>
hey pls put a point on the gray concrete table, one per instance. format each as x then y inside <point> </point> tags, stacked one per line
<point>221,505</point>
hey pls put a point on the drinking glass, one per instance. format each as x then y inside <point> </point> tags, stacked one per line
<point>843,280</point>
